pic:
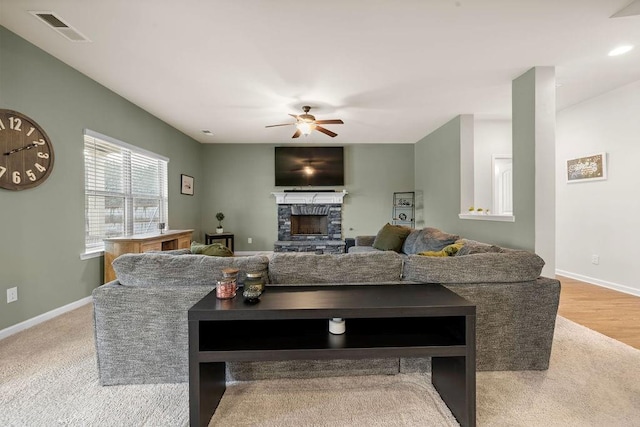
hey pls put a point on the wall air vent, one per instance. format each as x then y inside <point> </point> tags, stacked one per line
<point>57,24</point>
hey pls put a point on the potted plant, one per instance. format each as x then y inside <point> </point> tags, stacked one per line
<point>219,217</point>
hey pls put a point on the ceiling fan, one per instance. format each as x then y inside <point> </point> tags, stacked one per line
<point>306,123</point>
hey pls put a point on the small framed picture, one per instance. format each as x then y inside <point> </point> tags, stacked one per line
<point>186,184</point>
<point>588,168</point>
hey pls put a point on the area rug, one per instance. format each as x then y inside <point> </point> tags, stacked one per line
<point>48,377</point>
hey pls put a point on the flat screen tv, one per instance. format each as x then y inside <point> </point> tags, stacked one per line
<point>309,166</point>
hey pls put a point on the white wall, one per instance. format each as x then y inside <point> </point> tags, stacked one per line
<point>490,137</point>
<point>601,217</point>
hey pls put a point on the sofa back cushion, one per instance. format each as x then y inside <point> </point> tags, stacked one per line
<point>309,268</point>
<point>159,269</point>
<point>427,239</point>
<point>470,247</point>
<point>506,267</point>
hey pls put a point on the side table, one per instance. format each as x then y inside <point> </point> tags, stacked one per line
<point>227,237</point>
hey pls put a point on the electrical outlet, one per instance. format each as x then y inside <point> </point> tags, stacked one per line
<point>595,259</point>
<point>12,294</point>
<point>249,240</point>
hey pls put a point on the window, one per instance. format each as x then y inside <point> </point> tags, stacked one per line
<point>125,190</point>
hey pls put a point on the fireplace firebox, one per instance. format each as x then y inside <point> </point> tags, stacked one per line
<point>309,225</point>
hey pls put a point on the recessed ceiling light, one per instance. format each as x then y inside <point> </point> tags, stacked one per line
<point>207,132</point>
<point>620,50</point>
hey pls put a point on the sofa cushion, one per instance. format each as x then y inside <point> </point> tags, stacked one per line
<point>427,239</point>
<point>391,237</point>
<point>362,249</point>
<point>474,247</point>
<point>252,371</point>
<point>308,268</point>
<point>213,249</point>
<point>159,269</point>
<point>364,240</point>
<point>511,266</point>
<point>172,252</point>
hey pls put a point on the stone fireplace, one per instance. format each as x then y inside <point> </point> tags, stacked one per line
<point>309,222</point>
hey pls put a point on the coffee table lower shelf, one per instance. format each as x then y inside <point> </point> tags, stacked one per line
<point>292,324</point>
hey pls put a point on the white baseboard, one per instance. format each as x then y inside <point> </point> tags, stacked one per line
<point>4,333</point>
<point>603,283</point>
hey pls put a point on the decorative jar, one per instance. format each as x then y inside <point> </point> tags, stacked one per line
<point>255,280</point>
<point>227,286</point>
<point>253,287</point>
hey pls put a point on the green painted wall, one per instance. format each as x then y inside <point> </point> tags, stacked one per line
<point>240,180</point>
<point>437,183</point>
<point>42,229</point>
<point>374,172</point>
<point>523,91</point>
<point>437,177</point>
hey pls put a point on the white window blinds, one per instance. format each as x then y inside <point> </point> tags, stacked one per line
<point>125,190</point>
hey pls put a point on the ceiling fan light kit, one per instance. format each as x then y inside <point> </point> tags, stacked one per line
<point>306,123</point>
<point>305,127</point>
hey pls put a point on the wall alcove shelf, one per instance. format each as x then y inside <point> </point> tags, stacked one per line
<point>404,209</point>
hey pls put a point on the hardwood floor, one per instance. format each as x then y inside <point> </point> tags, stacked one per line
<point>612,313</point>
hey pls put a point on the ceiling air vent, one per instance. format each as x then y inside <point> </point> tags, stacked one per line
<point>56,23</point>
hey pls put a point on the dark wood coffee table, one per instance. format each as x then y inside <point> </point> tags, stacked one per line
<point>408,320</point>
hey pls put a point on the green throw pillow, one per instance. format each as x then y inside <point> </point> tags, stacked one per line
<point>214,249</point>
<point>441,253</point>
<point>450,250</point>
<point>391,237</point>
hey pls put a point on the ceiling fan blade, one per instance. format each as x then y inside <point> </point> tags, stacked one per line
<point>326,131</point>
<point>330,122</point>
<point>294,116</point>
<point>283,124</point>
<point>297,134</point>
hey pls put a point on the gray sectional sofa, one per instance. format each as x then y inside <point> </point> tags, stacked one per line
<point>141,318</point>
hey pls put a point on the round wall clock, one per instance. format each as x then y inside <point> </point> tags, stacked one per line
<point>26,153</point>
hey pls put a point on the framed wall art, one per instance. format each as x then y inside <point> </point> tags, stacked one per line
<point>587,168</point>
<point>186,185</point>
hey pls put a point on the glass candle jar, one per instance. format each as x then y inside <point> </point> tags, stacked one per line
<point>227,286</point>
<point>253,287</point>
<point>254,281</point>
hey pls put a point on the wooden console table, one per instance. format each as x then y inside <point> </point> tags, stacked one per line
<point>412,320</point>
<point>138,243</point>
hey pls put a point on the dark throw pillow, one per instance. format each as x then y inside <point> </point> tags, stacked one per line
<point>391,237</point>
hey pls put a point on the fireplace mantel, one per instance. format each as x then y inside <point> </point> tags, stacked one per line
<point>309,198</point>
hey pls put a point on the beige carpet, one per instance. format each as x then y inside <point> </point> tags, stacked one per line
<point>48,377</point>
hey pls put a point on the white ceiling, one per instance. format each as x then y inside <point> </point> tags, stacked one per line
<point>392,70</point>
